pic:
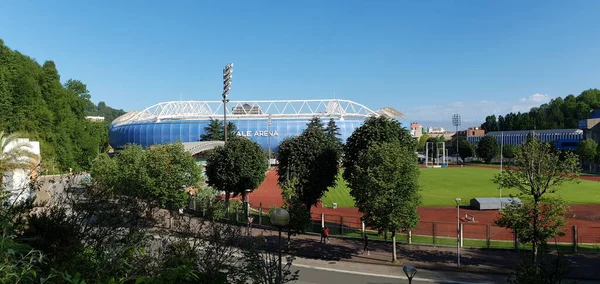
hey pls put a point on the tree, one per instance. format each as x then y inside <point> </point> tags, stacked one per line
<point>214,130</point>
<point>422,140</point>
<point>588,151</point>
<point>299,216</point>
<point>488,148</point>
<point>465,149</point>
<point>310,158</point>
<point>35,103</point>
<point>535,172</point>
<point>14,154</point>
<point>387,193</point>
<point>389,169</point>
<point>334,131</point>
<point>508,151</point>
<point>516,215</point>
<point>375,130</point>
<point>558,113</point>
<point>158,175</point>
<point>237,166</point>
<point>490,124</point>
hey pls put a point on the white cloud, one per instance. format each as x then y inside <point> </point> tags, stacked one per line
<point>472,113</point>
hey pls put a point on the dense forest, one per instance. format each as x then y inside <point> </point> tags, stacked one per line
<point>559,113</point>
<point>34,103</point>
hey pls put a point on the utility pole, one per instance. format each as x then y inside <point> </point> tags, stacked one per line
<point>226,87</point>
<point>456,123</point>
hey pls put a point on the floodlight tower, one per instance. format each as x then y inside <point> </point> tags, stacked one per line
<point>226,87</point>
<point>456,123</point>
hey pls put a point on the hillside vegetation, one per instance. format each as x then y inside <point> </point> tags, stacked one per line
<point>35,103</point>
<point>559,113</point>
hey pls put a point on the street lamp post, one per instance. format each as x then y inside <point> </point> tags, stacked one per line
<point>410,272</point>
<point>247,208</point>
<point>456,123</point>
<point>280,218</point>
<point>458,230</point>
<point>269,139</point>
<point>226,87</point>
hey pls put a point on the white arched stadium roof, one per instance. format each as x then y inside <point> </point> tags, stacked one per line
<point>201,146</point>
<point>188,110</point>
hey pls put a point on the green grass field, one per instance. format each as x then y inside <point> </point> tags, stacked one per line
<point>441,186</point>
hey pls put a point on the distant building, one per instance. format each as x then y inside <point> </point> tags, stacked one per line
<point>436,130</point>
<point>17,181</point>
<point>472,132</point>
<point>564,139</point>
<point>416,130</point>
<point>591,126</point>
<point>95,118</point>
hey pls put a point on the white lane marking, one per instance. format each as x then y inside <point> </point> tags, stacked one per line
<point>386,275</point>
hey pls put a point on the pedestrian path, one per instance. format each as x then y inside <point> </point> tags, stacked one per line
<point>582,266</point>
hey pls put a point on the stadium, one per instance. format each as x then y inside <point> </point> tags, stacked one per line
<point>264,122</point>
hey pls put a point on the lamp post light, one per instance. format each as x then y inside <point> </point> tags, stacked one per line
<point>247,208</point>
<point>458,229</point>
<point>269,139</point>
<point>280,218</point>
<point>410,272</point>
<point>456,123</point>
<point>226,87</point>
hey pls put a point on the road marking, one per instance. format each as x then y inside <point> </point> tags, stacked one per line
<point>386,275</point>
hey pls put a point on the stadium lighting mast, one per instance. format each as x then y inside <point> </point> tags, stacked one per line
<point>226,87</point>
<point>456,123</point>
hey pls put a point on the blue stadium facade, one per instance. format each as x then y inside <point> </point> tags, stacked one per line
<point>151,133</point>
<point>265,122</point>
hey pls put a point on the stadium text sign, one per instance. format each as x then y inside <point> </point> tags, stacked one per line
<point>257,133</point>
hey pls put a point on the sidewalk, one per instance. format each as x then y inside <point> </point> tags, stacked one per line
<point>582,266</point>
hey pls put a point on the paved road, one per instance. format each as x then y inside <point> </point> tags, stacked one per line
<point>323,272</point>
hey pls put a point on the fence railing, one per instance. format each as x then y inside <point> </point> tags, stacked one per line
<point>472,234</point>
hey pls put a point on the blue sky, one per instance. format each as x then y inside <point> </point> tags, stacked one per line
<point>428,59</point>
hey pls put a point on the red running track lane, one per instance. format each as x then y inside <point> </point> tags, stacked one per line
<point>585,217</point>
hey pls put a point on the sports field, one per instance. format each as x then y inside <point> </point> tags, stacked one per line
<point>440,186</point>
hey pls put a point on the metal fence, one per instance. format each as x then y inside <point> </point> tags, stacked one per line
<point>475,235</point>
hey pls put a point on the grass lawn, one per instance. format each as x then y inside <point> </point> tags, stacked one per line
<point>441,185</point>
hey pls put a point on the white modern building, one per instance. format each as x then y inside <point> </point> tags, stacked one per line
<point>17,181</point>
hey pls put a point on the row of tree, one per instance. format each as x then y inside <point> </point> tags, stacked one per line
<point>379,161</point>
<point>559,113</point>
<point>110,229</point>
<point>35,103</point>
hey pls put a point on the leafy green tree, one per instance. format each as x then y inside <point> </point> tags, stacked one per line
<point>465,149</point>
<point>375,130</point>
<point>381,168</point>
<point>490,124</point>
<point>334,131</point>
<point>237,166</point>
<point>508,151</point>
<point>158,175</point>
<point>558,113</point>
<point>588,151</point>
<point>488,148</point>
<point>214,130</point>
<point>422,140</point>
<point>312,159</point>
<point>535,172</point>
<point>14,154</point>
<point>35,103</point>
<point>386,188</point>
<point>517,216</point>
<point>299,216</point>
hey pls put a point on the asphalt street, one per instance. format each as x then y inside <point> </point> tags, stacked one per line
<point>322,272</point>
